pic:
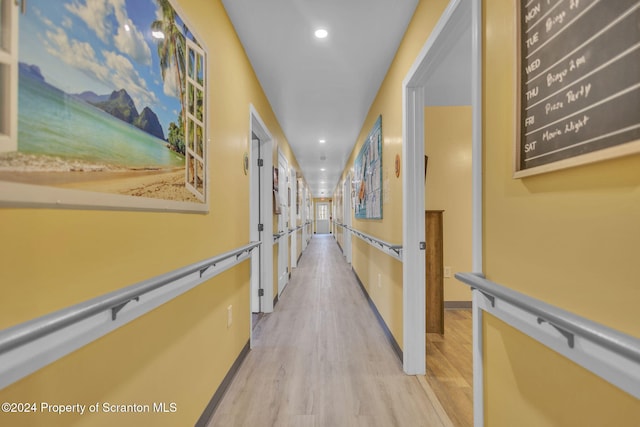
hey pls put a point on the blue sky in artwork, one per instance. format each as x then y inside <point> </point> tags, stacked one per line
<point>100,46</point>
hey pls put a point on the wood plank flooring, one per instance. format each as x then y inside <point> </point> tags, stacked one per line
<point>450,367</point>
<point>321,359</point>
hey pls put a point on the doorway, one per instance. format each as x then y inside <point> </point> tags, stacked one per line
<point>283,222</point>
<point>293,218</point>
<point>435,68</point>
<point>346,217</point>
<point>259,165</point>
<point>322,218</point>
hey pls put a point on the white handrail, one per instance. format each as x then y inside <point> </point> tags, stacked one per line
<point>277,236</point>
<point>386,247</point>
<point>56,334</point>
<point>606,352</point>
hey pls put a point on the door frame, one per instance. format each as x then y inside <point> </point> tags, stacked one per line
<point>283,241</point>
<point>261,212</point>
<point>293,218</point>
<point>457,16</point>
<point>305,218</point>
<point>346,217</point>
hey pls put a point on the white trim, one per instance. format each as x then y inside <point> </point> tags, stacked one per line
<point>265,256</point>
<point>476,228</point>
<point>476,139</point>
<point>478,362</point>
<point>453,21</point>
<point>413,266</point>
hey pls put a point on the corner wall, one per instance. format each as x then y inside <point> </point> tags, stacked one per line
<point>569,238</point>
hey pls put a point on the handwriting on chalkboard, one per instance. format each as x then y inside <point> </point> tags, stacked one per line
<point>579,82</point>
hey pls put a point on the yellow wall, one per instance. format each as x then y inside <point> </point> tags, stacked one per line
<point>381,276</point>
<point>448,188</point>
<point>529,385</point>
<point>180,352</point>
<point>569,238</point>
<point>388,103</point>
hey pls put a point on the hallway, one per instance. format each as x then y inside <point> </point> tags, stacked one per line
<point>321,359</point>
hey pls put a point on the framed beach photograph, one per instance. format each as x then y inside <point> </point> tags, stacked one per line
<point>110,108</point>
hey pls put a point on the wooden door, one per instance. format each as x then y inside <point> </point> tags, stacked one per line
<point>434,267</point>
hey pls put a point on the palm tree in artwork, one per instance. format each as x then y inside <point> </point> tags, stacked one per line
<point>171,52</point>
<point>171,47</point>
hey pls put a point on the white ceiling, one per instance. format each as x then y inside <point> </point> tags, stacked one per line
<point>450,82</point>
<point>321,89</point>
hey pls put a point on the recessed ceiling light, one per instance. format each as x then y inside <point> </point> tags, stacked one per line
<point>323,169</point>
<point>321,33</point>
<point>322,141</point>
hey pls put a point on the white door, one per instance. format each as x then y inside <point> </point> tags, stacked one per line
<point>310,217</point>
<point>259,167</point>
<point>305,219</point>
<point>283,223</point>
<point>322,218</point>
<point>257,229</point>
<point>293,215</point>
<point>346,205</point>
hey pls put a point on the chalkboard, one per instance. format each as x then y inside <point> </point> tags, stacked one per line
<point>579,82</point>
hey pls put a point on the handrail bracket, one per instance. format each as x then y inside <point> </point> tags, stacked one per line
<point>568,335</point>
<point>488,296</point>
<point>115,310</point>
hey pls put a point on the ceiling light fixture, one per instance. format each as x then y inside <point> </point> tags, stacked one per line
<point>322,141</point>
<point>322,170</point>
<point>321,33</point>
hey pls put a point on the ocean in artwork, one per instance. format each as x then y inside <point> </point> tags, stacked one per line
<point>55,123</point>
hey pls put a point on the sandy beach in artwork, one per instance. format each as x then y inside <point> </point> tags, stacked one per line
<point>157,183</point>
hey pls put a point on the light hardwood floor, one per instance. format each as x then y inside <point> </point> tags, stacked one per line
<point>321,359</point>
<point>450,366</point>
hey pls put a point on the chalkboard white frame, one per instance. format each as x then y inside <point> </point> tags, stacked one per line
<point>623,149</point>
